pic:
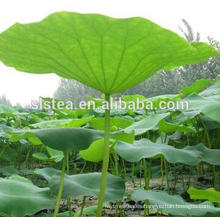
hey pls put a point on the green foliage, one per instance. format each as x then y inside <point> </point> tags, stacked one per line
<point>95,151</point>
<point>110,55</point>
<point>84,184</point>
<point>63,139</point>
<point>62,123</point>
<point>210,156</point>
<point>116,123</point>
<point>102,58</point>
<point>209,106</point>
<point>166,203</point>
<point>4,109</point>
<point>208,194</point>
<point>146,124</point>
<point>196,87</point>
<point>146,149</point>
<point>21,198</point>
<point>168,127</point>
<point>190,155</point>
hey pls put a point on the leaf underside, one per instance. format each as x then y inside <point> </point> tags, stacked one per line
<point>105,53</point>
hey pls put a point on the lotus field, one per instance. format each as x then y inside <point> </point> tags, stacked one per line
<point>109,162</point>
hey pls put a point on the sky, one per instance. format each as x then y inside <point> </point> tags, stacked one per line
<point>19,87</point>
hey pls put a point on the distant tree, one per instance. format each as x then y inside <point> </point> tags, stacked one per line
<point>71,90</point>
<point>189,34</point>
<point>4,100</point>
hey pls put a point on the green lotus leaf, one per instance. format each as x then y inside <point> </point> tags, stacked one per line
<point>105,53</point>
<point>211,90</point>
<point>63,139</point>
<point>84,184</point>
<point>47,172</point>
<point>208,105</point>
<point>196,87</point>
<point>168,127</point>
<point>125,137</point>
<point>209,123</point>
<point>40,156</point>
<point>55,155</point>
<point>144,148</point>
<point>62,123</point>
<point>146,124</point>
<point>95,151</point>
<point>20,198</point>
<point>116,123</point>
<point>208,194</point>
<point>174,204</point>
<point>210,156</point>
<point>19,178</point>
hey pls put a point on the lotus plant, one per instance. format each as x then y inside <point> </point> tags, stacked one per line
<point>105,53</point>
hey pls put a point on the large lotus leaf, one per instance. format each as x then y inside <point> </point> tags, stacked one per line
<point>125,137</point>
<point>63,139</point>
<point>196,87</point>
<point>209,106</point>
<point>105,53</point>
<point>157,100</point>
<point>208,194</point>
<point>89,185</point>
<point>20,198</point>
<point>84,184</point>
<point>55,155</point>
<point>146,124</point>
<point>211,90</point>
<point>116,123</point>
<point>19,178</point>
<point>210,156</point>
<point>168,127</point>
<point>209,123</point>
<point>47,172</point>
<point>144,148</point>
<point>95,151</point>
<point>62,123</point>
<point>174,204</point>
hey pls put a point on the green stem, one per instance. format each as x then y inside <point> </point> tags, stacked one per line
<point>61,185</point>
<point>68,172</point>
<point>210,146</point>
<point>167,175</point>
<point>124,168</point>
<point>146,208</point>
<point>82,206</point>
<point>162,172</point>
<point>27,157</point>
<point>133,173</point>
<point>105,161</point>
<point>146,180</point>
